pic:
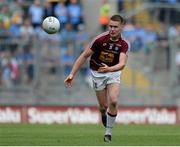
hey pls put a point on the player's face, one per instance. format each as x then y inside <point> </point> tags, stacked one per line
<point>115,28</point>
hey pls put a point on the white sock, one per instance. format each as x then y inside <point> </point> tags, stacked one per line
<point>110,123</point>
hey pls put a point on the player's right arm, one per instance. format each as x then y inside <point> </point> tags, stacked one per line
<point>80,60</point>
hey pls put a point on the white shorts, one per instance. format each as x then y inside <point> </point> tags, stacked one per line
<point>101,80</point>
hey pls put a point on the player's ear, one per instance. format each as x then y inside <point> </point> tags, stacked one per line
<point>122,26</point>
<point>123,23</point>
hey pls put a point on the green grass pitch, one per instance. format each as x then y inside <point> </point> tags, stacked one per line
<point>88,135</point>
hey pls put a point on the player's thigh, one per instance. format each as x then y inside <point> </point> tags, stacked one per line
<point>102,97</point>
<point>113,90</point>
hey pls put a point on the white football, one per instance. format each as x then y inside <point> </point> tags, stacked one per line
<point>51,25</point>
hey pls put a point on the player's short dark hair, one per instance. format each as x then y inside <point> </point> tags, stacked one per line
<point>119,18</point>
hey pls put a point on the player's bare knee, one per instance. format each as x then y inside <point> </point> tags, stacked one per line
<point>113,99</point>
<point>113,103</point>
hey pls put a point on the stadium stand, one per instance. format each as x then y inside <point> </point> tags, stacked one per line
<point>32,63</point>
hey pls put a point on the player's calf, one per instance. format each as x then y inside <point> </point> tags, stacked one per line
<point>104,119</point>
<point>103,115</point>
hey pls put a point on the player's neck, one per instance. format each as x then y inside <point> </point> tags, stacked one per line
<point>115,38</point>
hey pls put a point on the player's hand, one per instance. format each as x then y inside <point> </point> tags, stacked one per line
<point>68,81</point>
<point>103,69</point>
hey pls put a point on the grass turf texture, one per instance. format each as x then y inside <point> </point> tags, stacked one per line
<point>88,135</point>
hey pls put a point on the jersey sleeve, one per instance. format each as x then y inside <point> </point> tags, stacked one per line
<point>94,45</point>
<point>125,47</point>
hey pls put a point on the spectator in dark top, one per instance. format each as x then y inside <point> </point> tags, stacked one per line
<point>48,9</point>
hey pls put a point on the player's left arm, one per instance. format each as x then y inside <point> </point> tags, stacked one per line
<point>120,66</point>
<point>122,62</point>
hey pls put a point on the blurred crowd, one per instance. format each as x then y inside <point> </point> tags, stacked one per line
<point>20,26</point>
